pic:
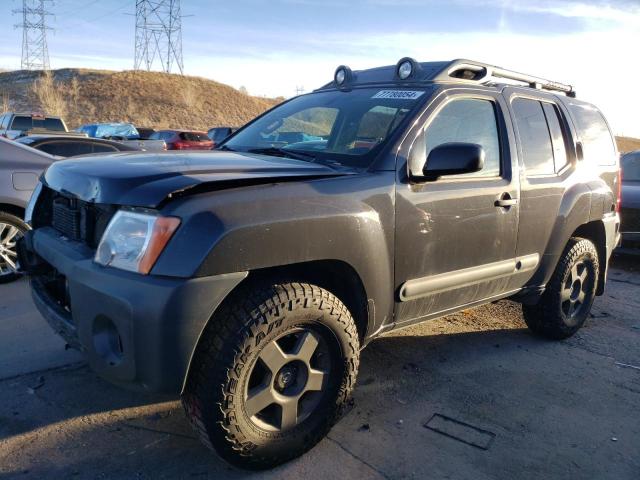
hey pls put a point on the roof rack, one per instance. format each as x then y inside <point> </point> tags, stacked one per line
<point>478,72</point>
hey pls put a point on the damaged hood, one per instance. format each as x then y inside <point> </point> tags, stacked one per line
<point>146,180</point>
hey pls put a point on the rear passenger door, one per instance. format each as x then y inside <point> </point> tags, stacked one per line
<point>547,156</point>
<point>455,244</point>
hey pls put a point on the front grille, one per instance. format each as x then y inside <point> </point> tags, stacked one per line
<point>66,218</point>
<point>630,220</point>
<point>77,220</point>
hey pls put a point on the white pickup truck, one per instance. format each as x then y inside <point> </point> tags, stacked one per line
<point>125,133</point>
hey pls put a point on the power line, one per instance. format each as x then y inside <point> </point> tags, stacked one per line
<point>158,35</point>
<point>35,52</point>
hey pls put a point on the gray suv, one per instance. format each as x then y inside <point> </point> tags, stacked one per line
<point>247,280</point>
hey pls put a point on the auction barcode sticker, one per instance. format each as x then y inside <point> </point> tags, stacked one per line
<point>399,94</point>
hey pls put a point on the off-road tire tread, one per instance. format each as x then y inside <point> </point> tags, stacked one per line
<point>239,319</point>
<point>545,317</point>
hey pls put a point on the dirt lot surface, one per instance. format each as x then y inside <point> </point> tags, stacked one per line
<point>499,403</point>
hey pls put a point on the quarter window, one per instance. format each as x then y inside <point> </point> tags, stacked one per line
<point>468,120</point>
<point>597,141</point>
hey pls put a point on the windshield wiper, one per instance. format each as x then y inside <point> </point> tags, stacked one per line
<point>283,152</point>
<point>226,149</point>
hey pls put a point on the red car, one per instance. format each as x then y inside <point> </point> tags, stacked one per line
<point>183,139</point>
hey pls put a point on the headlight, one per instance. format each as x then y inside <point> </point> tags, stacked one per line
<point>134,241</point>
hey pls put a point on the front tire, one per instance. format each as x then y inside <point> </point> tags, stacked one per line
<point>568,297</point>
<point>12,229</point>
<point>273,372</point>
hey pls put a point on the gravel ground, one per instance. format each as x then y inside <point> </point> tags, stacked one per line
<point>497,402</point>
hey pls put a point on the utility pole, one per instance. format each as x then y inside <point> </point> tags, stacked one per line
<point>35,53</point>
<point>158,35</point>
<point>299,90</point>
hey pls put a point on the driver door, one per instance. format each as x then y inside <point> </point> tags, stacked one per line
<point>455,241</point>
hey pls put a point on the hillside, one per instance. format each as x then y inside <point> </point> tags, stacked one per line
<point>152,99</point>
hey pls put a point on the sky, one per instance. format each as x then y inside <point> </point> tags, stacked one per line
<point>274,47</point>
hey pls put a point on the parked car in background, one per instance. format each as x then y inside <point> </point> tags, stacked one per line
<point>14,125</point>
<point>218,134</point>
<point>70,146</point>
<point>630,201</point>
<point>145,132</point>
<point>20,168</point>
<point>125,133</point>
<point>184,139</point>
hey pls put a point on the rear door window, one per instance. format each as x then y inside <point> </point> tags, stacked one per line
<point>535,139</point>
<point>597,141</point>
<point>558,138</point>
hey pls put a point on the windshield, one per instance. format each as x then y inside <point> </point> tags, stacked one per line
<point>338,126</point>
<point>631,167</point>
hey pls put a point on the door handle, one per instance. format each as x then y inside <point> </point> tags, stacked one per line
<point>505,201</point>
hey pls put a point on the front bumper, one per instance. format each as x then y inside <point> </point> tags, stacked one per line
<point>137,331</point>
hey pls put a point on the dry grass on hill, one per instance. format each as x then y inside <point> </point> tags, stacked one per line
<point>626,144</point>
<point>151,99</point>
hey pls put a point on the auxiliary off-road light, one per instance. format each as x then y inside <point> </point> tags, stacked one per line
<point>405,68</point>
<point>342,75</point>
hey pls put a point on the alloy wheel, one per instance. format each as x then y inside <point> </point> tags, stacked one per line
<point>576,288</point>
<point>287,382</point>
<point>9,236</point>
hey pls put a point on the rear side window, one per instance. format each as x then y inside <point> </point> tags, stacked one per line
<point>468,120</point>
<point>193,137</point>
<point>631,167</point>
<point>219,134</point>
<point>67,149</point>
<point>535,139</point>
<point>100,148</point>
<point>22,122</point>
<point>54,124</point>
<point>597,141</point>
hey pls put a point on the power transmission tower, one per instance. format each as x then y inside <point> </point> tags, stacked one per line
<point>299,90</point>
<point>35,54</point>
<point>158,34</point>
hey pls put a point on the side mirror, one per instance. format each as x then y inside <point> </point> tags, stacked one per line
<point>454,159</point>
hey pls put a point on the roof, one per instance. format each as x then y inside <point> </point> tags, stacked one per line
<point>31,114</point>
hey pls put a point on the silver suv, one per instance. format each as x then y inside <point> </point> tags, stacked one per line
<point>20,167</point>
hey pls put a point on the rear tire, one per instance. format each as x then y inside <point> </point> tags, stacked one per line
<point>12,229</point>
<point>272,373</point>
<point>568,297</point>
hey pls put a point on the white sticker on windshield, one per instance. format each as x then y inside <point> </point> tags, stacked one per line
<point>399,94</point>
